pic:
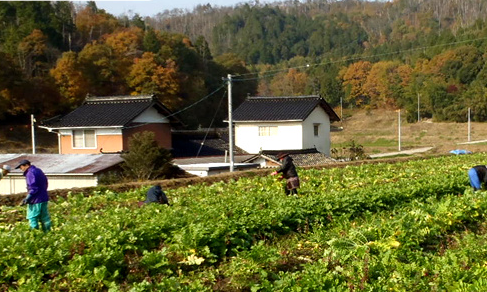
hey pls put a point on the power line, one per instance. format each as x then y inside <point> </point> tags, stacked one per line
<point>184,109</point>
<point>211,123</point>
<point>277,71</point>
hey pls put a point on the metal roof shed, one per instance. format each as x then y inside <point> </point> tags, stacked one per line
<point>64,171</point>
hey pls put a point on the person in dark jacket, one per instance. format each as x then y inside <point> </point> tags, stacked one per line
<point>156,195</point>
<point>288,170</point>
<point>477,176</point>
<point>37,196</point>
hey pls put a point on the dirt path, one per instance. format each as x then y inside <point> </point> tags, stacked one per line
<point>404,152</point>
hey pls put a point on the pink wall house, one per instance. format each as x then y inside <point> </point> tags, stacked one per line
<point>106,124</point>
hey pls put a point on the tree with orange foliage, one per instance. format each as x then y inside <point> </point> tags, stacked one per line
<point>32,50</point>
<point>69,79</point>
<point>148,77</point>
<point>102,70</point>
<point>353,79</point>
<point>126,43</point>
<point>385,83</point>
<point>289,84</point>
<point>92,23</point>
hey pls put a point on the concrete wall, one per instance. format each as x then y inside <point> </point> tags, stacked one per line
<point>322,142</point>
<point>15,184</point>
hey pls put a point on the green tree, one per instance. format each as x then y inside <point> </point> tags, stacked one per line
<point>151,42</point>
<point>145,159</point>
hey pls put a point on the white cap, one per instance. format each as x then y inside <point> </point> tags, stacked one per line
<point>7,167</point>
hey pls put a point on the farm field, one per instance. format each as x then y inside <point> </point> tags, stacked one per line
<point>408,226</point>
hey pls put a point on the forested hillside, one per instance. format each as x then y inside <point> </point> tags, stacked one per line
<point>362,54</point>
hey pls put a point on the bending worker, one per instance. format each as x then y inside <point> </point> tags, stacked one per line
<point>288,170</point>
<point>477,176</point>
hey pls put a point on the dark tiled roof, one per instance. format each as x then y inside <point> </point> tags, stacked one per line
<point>195,144</point>
<point>302,157</point>
<point>107,111</point>
<point>294,108</point>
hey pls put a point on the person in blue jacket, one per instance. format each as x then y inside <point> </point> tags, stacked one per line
<point>477,176</point>
<point>37,196</point>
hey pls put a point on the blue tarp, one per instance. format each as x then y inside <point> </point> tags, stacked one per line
<point>460,151</point>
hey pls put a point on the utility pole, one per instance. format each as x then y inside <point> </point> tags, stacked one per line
<point>468,124</point>
<point>341,110</point>
<point>32,125</point>
<point>399,129</point>
<point>419,117</point>
<point>230,121</point>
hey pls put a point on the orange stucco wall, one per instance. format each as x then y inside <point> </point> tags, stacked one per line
<point>116,143</point>
<point>109,143</point>
<point>162,134</point>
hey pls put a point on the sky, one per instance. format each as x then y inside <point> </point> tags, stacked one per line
<point>152,7</point>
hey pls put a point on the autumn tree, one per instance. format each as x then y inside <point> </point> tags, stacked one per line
<point>353,79</point>
<point>291,83</point>
<point>148,77</point>
<point>101,69</point>
<point>385,83</point>
<point>32,53</point>
<point>69,79</point>
<point>92,23</point>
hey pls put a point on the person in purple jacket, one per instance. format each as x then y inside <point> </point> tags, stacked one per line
<point>37,196</point>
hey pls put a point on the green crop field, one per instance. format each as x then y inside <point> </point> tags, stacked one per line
<point>408,226</point>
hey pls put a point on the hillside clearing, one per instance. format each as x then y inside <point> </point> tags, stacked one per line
<point>377,131</point>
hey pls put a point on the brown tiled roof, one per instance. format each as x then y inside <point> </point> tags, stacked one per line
<point>292,108</point>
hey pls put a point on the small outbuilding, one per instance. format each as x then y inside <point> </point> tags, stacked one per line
<point>64,171</point>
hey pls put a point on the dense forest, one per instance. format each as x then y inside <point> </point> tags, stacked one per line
<point>406,54</point>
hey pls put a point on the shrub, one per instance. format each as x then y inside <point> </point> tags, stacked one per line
<point>146,159</point>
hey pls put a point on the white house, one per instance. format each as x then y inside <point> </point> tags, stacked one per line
<point>284,123</point>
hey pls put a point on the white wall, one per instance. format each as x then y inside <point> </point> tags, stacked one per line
<point>15,184</point>
<point>151,115</point>
<point>322,142</point>
<point>289,136</point>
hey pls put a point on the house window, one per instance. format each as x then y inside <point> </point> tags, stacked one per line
<point>84,139</point>
<point>316,129</point>
<point>268,131</point>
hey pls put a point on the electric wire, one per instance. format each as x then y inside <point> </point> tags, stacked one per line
<point>182,110</point>
<point>211,123</point>
<point>275,72</point>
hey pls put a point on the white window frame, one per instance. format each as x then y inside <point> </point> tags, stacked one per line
<point>316,130</point>
<point>267,131</point>
<point>84,139</point>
